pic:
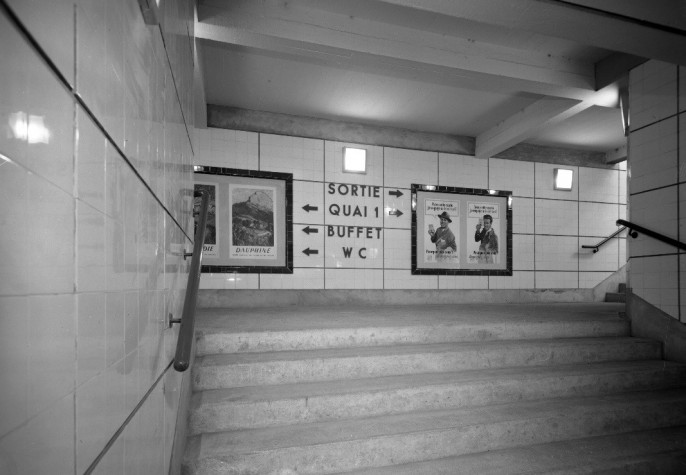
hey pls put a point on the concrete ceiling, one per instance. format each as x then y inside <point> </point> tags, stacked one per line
<point>504,72</point>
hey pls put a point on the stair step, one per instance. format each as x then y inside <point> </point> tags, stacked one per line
<point>216,340</point>
<point>331,447</point>
<point>615,297</point>
<point>252,369</point>
<point>265,406</point>
<point>660,451</point>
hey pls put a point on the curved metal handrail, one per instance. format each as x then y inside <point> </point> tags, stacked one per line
<point>635,229</point>
<point>597,246</point>
<point>184,344</point>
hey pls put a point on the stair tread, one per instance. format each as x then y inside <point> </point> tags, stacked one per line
<point>267,393</point>
<point>391,350</point>
<point>353,316</point>
<point>234,443</point>
<point>587,455</point>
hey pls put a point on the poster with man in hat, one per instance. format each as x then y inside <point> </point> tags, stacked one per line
<point>442,237</point>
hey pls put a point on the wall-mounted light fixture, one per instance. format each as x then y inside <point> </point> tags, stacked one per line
<point>563,179</point>
<point>354,160</point>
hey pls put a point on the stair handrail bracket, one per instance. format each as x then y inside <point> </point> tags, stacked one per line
<point>184,344</point>
<point>635,229</point>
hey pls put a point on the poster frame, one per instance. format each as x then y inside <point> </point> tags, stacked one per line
<point>420,240</point>
<point>282,226</point>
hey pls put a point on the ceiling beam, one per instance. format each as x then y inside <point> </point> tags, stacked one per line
<point>620,28</point>
<point>295,29</point>
<point>517,128</point>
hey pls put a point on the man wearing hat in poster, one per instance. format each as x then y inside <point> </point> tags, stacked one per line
<point>443,237</point>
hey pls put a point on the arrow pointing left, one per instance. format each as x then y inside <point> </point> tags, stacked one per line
<point>309,251</point>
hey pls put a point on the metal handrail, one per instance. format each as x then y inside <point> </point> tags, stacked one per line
<point>635,229</point>
<point>597,246</point>
<point>184,344</point>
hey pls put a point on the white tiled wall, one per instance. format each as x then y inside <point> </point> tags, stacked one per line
<point>548,225</point>
<point>91,223</point>
<point>656,194</point>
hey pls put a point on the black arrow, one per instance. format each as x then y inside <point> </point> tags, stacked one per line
<point>309,208</point>
<point>309,251</point>
<point>397,213</point>
<point>309,230</point>
<point>396,193</point>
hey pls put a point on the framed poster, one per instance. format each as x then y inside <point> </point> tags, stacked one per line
<point>461,231</point>
<point>250,221</point>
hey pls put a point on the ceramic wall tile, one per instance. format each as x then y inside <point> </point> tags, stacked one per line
<point>92,429</point>
<point>300,279</point>
<point>404,167</point>
<point>523,252</point>
<point>403,279</point>
<point>230,281</point>
<point>333,166</point>
<point>653,92</point>
<point>597,219</point>
<point>682,213</point>
<point>606,259</point>
<point>599,185</point>
<point>545,177</point>
<point>519,280</point>
<point>354,247</point>
<point>682,143</point>
<point>654,156</point>
<point>354,205</point>
<point>353,279</point>
<point>682,88</point>
<point>397,254</point>
<point>309,245</point>
<point>14,365</point>
<point>52,25</point>
<point>511,175</point>
<point>655,210</point>
<point>462,171</point>
<point>523,215</point>
<point>397,208</point>
<point>231,149</point>
<point>91,354</point>
<point>557,280</point>
<point>15,275</point>
<point>90,162</point>
<point>308,195</point>
<point>682,289</point>
<point>456,282</point>
<point>623,187</point>
<point>44,444</point>
<point>588,280</point>
<point>302,157</point>
<point>38,112</point>
<point>623,255</point>
<point>556,217</point>
<point>655,279</point>
<point>556,253</point>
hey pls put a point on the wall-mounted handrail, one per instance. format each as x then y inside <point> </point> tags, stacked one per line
<point>597,246</point>
<point>184,344</point>
<point>635,229</point>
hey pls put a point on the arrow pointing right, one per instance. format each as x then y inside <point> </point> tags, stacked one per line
<point>396,193</point>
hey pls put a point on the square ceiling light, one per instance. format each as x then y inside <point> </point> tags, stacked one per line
<point>564,179</point>
<point>354,160</point>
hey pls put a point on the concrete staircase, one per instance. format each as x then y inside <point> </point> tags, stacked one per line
<point>434,389</point>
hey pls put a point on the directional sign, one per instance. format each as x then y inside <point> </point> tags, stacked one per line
<point>309,251</point>
<point>396,193</point>
<point>309,208</point>
<point>395,212</point>
<point>309,230</point>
